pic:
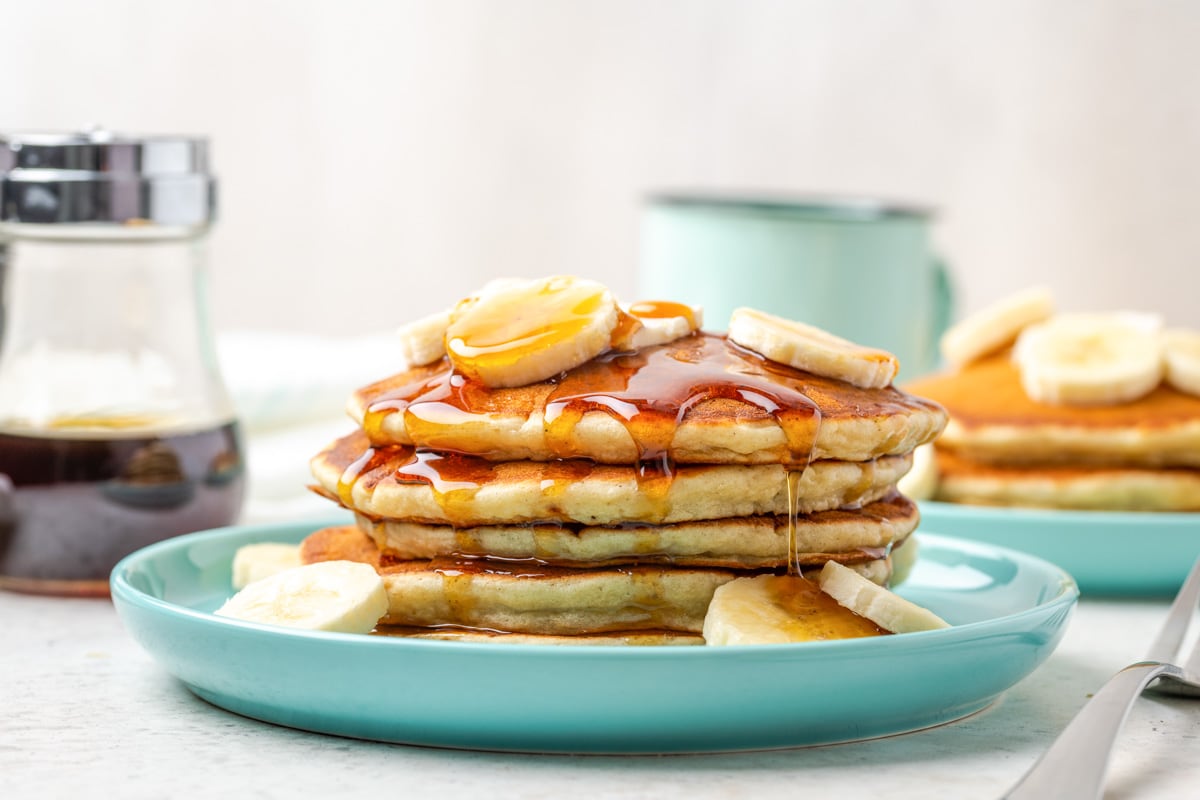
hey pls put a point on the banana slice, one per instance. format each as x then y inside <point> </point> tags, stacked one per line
<point>995,326</point>
<point>658,322</point>
<point>812,349</point>
<point>344,596</point>
<point>424,341</point>
<point>1090,359</point>
<point>257,561</point>
<point>1181,352</point>
<point>526,331</point>
<point>885,608</point>
<point>774,609</point>
<point>921,481</point>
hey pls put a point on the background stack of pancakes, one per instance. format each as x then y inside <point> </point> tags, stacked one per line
<point>607,504</point>
<point>1003,448</point>
<point>1066,410</point>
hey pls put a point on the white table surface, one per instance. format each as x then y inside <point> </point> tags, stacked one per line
<point>84,712</point>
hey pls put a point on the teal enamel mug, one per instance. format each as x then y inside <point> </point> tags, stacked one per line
<point>862,269</point>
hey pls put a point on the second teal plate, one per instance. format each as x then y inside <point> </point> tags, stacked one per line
<point>1107,552</point>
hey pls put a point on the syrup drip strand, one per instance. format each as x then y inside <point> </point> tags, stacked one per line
<point>793,491</point>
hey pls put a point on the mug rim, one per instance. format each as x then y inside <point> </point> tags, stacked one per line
<point>832,206</point>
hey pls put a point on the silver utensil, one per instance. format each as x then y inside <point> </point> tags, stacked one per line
<point>1074,766</point>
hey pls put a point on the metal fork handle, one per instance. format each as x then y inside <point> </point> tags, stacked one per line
<point>1074,766</point>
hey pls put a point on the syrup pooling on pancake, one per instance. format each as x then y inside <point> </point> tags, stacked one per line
<point>651,391</point>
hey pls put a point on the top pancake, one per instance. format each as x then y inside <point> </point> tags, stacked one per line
<point>698,400</point>
<point>993,420</point>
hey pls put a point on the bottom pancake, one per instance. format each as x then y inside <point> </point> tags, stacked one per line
<point>962,480</point>
<point>522,597</point>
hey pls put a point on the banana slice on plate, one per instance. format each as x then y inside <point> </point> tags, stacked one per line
<point>840,604</point>
<point>1091,359</point>
<point>1181,353</point>
<point>658,322</point>
<point>775,609</point>
<point>343,596</point>
<point>882,606</point>
<point>526,331</point>
<point>812,349</point>
<point>995,326</point>
<point>254,562</point>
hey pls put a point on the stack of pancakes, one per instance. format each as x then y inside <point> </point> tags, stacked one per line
<point>607,504</point>
<point>1002,448</point>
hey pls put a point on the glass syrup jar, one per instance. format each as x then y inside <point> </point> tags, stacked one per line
<point>116,429</point>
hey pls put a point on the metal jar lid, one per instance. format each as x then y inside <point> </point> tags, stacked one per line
<point>96,176</point>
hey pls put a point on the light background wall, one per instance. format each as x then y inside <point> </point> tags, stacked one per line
<point>379,160</point>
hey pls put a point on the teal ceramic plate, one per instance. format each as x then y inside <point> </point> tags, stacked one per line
<point>1009,611</point>
<point>1107,552</point>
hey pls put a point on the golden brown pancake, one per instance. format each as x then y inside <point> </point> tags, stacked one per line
<point>963,480</point>
<point>993,420</point>
<point>699,399</point>
<point>845,535</point>
<point>531,598</point>
<point>398,483</point>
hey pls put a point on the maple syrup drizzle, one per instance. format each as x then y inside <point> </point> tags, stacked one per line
<point>455,479</point>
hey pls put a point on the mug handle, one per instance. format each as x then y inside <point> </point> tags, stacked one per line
<point>943,307</point>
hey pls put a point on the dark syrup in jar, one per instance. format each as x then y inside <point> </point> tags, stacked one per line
<point>72,506</point>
